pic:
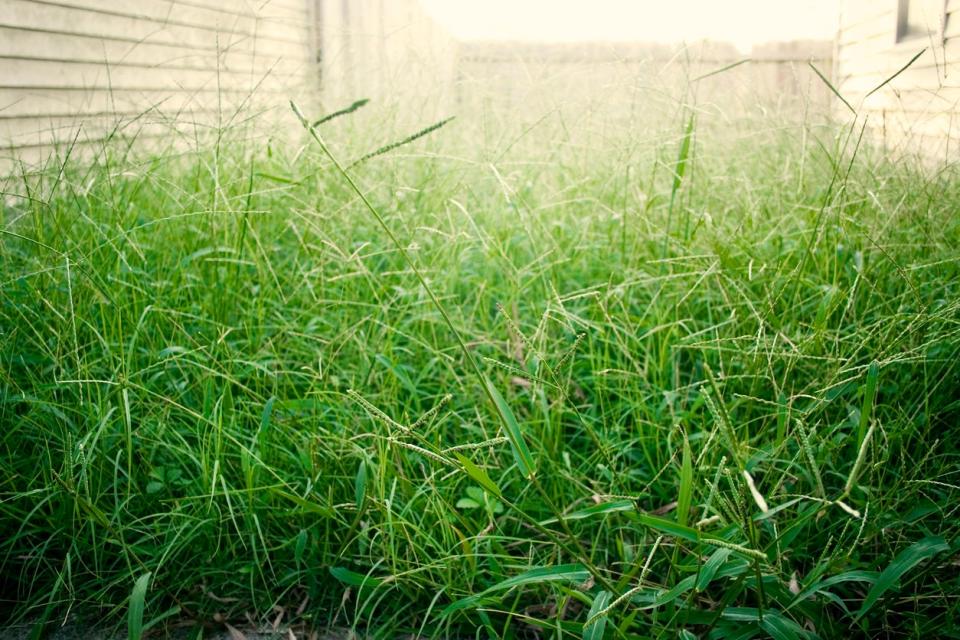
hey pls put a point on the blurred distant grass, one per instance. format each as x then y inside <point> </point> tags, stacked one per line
<point>732,352</point>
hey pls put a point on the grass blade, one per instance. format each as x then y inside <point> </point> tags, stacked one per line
<point>503,412</point>
<point>540,575</point>
<point>596,510</point>
<point>594,630</point>
<point>135,609</point>
<point>709,569</point>
<point>680,168</point>
<point>869,396</point>
<point>356,104</point>
<point>521,454</point>
<point>399,143</point>
<point>847,576</point>
<point>669,527</point>
<point>354,579</point>
<point>781,628</point>
<point>478,475</point>
<point>727,67</point>
<point>904,562</point>
<point>360,484</point>
<point>686,484</point>
<point>899,71</point>
<point>832,88</point>
<point>265,418</point>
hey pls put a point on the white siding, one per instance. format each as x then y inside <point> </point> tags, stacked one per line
<point>390,51</point>
<point>919,108</point>
<point>89,66</point>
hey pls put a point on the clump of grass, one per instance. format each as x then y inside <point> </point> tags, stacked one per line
<point>218,372</point>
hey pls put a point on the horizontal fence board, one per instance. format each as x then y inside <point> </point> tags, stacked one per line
<point>173,13</point>
<point>885,63</point>
<point>925,78</point>
<point>80,75</point>
<point>855,13</point>
<point>915,101</point>
<point>262,8</point>
<point>899,124</point>
<point>881,28</point>
<point>177,13</point>
<point>23,44</point>
<point>865,50</point>
<point>159,68</point>
<point>148,143</point>
<point>26,14</point>
<point>60,131</point>
<point>880,24</point>
<point>21,103</point>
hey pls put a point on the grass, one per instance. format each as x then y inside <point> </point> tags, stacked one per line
<point>698,384</point>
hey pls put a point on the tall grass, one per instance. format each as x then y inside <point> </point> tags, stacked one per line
<point>707,386</point>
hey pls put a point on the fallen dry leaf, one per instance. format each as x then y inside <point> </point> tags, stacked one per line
<point>794,586</point>
<point>667,508</point>
<point>235,634</point>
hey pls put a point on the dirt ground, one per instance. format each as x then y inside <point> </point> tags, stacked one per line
<point>72,631</point>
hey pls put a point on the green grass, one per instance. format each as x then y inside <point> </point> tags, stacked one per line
<point>702,383</point>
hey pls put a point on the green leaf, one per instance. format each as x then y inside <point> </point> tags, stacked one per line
<point>275,178</point>
<point>467,503</point>
<point>683,155</point>
<point>653,598</point>
<point>300,546</point>
<point>562,573</point>
<point>869,396</point>
<point>777,625</point>
<point>904,562</point>
<point>360,484</point>
<point>781,628</point>
<point>783,506</point>
<point>677,530</point>
<point>478,475</point>
<point>137,603</point>
<point>306,505</point>
<point>595,510</point>
<point>594,630</point>
<point>356,104</point>
<point>669,527</point>
<point>899,71</point>
<point>658,597</point>
<point>709,569</point>
<point>559,573</point>
<point>521,454</point>
<point>354,579</point>
<point>686,484</point>
<point>266,415</point>
<point>832,88</point>
<point>847,576</point>
<point>169,613</point>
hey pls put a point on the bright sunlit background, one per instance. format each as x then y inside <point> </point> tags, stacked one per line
<point>743,23</point>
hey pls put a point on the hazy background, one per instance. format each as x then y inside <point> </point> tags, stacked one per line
<point>581,73</point>
<point>743,23</point>
<point>85,71</point>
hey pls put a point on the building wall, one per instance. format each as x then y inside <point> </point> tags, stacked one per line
<point>88,69</point>
<point>919,108</point>
<point>609,88</point>
<point>389,51</point>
